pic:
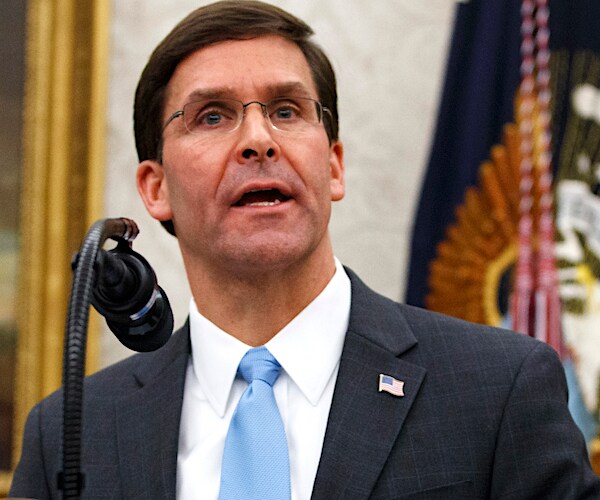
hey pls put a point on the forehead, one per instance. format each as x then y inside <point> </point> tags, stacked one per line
<point>242,69</point>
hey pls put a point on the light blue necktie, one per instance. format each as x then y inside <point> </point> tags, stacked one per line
<point>256,465</point>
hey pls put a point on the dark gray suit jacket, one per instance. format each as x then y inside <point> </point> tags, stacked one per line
<point>484,415</point>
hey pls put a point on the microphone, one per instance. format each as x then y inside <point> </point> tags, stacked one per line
<point>122,287</point>
<point>127,294</point>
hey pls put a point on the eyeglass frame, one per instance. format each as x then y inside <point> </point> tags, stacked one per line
<point>321,109</point>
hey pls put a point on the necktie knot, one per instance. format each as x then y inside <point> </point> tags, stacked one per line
<point>259,364</point>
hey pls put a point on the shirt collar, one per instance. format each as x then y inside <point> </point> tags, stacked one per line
<point>308,348</point>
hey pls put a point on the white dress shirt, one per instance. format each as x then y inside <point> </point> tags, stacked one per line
<point>309,350</point>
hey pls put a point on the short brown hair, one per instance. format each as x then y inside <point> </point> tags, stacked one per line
<point>217,22</point>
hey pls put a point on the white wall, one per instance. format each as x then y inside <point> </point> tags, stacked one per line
<point>389,57</point>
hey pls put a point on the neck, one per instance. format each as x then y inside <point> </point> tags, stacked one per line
<point>255,305</point>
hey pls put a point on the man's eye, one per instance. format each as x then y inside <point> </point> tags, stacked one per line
<point>285,112</point>
<point>211,118</point>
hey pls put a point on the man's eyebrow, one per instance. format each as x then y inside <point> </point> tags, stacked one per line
<point>293,88</point>
<point>298,89</point>
<point>214,93</point>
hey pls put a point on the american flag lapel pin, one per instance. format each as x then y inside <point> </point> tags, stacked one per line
<point>391,385</point>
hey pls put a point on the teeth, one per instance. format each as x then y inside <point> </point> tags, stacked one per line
<point>264,203</point>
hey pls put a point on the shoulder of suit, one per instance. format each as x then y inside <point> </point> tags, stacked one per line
<point>178,343</point>
<point>435,329</point>
<point>432,329</point>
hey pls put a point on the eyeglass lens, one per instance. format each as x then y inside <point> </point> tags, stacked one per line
<point>215,116</point>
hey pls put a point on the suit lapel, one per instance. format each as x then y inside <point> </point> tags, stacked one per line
<point>363,422</point>
<point>148,422</point>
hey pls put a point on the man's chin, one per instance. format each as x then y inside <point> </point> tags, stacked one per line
<point>269,255</point>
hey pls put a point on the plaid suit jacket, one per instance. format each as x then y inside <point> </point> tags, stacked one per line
<point>484,415</point>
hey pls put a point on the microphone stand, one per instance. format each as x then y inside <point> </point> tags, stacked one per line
<point>85,267</point>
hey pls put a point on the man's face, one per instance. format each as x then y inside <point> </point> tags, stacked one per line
<point>255,196</point>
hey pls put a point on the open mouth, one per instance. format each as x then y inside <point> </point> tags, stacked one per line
<point>262,198</point>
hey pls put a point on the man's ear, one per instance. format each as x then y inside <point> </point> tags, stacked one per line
<point>152,186</point>
<point>336,167</point>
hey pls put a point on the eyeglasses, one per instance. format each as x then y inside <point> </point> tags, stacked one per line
<point>214,117</point>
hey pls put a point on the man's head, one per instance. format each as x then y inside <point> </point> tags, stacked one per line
<point>237,138</point>
<point>217,22</point>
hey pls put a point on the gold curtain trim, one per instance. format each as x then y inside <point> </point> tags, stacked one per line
<point>62,184</point>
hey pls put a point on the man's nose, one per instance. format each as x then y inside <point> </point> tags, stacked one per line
<point>256,136</point>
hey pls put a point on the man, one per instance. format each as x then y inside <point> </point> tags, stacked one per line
<point>236,130</point>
